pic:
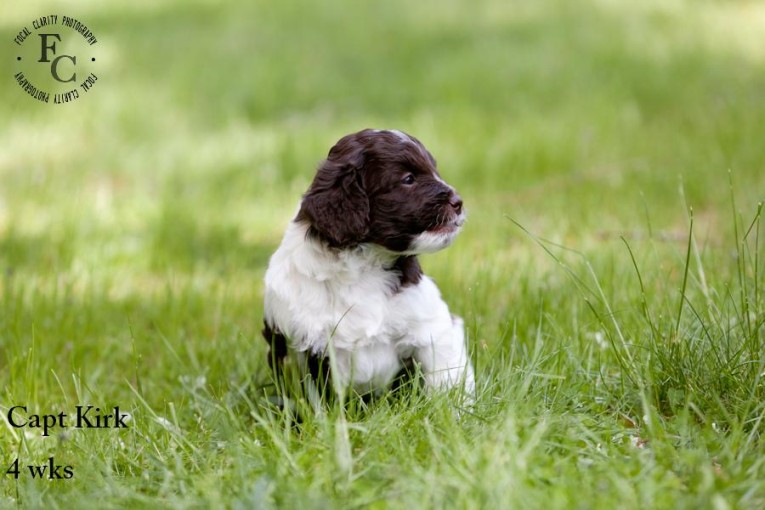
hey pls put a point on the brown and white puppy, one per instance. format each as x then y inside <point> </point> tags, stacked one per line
<point>345,281</point>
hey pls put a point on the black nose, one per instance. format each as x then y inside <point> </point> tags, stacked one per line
<point>456,202</point>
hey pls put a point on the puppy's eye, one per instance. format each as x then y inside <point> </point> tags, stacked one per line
<point>408,179</point>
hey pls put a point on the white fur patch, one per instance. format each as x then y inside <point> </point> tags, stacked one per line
<point>435,240</point>
<point>345,303</point>
<point>401,136</point>
<point>429,242</point>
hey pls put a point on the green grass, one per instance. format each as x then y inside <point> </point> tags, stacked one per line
<point>611,274</point>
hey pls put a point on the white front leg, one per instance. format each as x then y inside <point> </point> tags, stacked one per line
<point>445,362</point>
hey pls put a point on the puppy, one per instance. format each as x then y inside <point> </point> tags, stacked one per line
<point>345,282</point>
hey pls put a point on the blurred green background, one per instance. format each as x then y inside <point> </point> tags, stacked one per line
<point>137,221</point>
<point>216,113</point>
<point>581,120</point>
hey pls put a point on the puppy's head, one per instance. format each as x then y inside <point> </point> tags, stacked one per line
<point>382,187</point>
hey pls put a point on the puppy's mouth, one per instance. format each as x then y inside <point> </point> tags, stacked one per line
<point>449,226</point>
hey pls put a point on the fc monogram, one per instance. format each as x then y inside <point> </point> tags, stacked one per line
<point>56,59</point>
<point>50,46</point>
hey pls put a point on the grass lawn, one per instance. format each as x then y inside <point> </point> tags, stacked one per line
<point>612,160</point>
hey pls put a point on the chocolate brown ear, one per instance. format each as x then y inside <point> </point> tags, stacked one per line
<point>336,205</point>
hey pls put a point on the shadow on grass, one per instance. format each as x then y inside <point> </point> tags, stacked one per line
<point>47,253</point>
<point>180,241</point>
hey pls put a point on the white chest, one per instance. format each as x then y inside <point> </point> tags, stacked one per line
<point>315,295</point>
<point>348,305</point>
